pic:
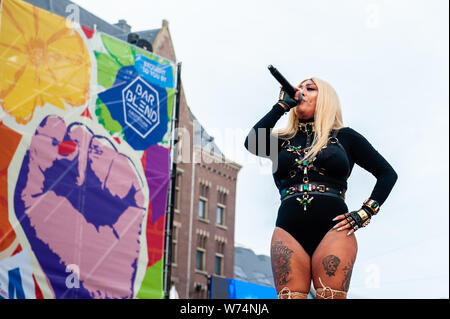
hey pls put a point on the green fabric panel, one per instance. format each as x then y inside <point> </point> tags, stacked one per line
<point>152,285</point>
<point>107,69</point>
<point>120,51</point>
<point>104,118</point>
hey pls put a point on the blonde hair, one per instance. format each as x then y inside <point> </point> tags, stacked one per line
<point>327,117</point>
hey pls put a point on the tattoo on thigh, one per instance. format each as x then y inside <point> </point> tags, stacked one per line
<point>347,275</point>
<point>330,264</point>
<point>281,256</point>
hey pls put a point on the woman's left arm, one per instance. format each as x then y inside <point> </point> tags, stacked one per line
<point>366,156</point>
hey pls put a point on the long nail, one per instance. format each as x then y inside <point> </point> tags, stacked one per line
<point>348,234</point>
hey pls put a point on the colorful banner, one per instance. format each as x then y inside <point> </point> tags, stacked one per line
<point>85,125</point>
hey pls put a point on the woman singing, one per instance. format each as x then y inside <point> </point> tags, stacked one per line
<point>312,158</point>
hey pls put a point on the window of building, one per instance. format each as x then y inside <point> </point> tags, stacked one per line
<point>175,244</point>
<point>221,206</point>
<point>202,237</point>
<point>200,260</point>
<point>220,247</point>
<point>177,192</point>
<point>202,208</point>
<point>220,216</point>
<point>203,201</point>
<point>204,189</point>
<point>222,197</point>
<point>201,240</point>
<point>220,253</point>
<point>219,265</point>
<point>181,149</point>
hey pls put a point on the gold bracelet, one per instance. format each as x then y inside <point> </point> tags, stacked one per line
<point>372,205</point>
<point>362,213</point>
<point>364,217</point>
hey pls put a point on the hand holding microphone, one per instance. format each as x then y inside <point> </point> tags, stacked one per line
<point>286,101</point>
<point>287,94</point>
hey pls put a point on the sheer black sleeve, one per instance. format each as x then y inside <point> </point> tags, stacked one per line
<point>366,156</point>
<point>260,140</point>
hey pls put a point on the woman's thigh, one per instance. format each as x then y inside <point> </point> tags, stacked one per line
<point>333,260</point>
<point>291,265</point>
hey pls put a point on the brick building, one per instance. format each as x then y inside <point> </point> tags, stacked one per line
<point>205,184</point>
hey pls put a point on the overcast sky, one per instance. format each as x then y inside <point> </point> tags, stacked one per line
<point>388,61</point>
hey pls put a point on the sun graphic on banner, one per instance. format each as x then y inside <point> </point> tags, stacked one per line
<point>42,60</point>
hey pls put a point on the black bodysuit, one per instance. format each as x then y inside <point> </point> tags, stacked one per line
<point>332,167</point>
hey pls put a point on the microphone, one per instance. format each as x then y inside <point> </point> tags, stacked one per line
<point>284,83</point>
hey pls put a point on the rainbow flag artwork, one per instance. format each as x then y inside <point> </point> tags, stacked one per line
<point>85,131</point>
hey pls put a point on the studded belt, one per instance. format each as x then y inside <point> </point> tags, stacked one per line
<point>311,189</point>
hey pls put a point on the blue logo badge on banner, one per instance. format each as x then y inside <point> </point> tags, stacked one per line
<point>154,72</point>
<point>139,106</point>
